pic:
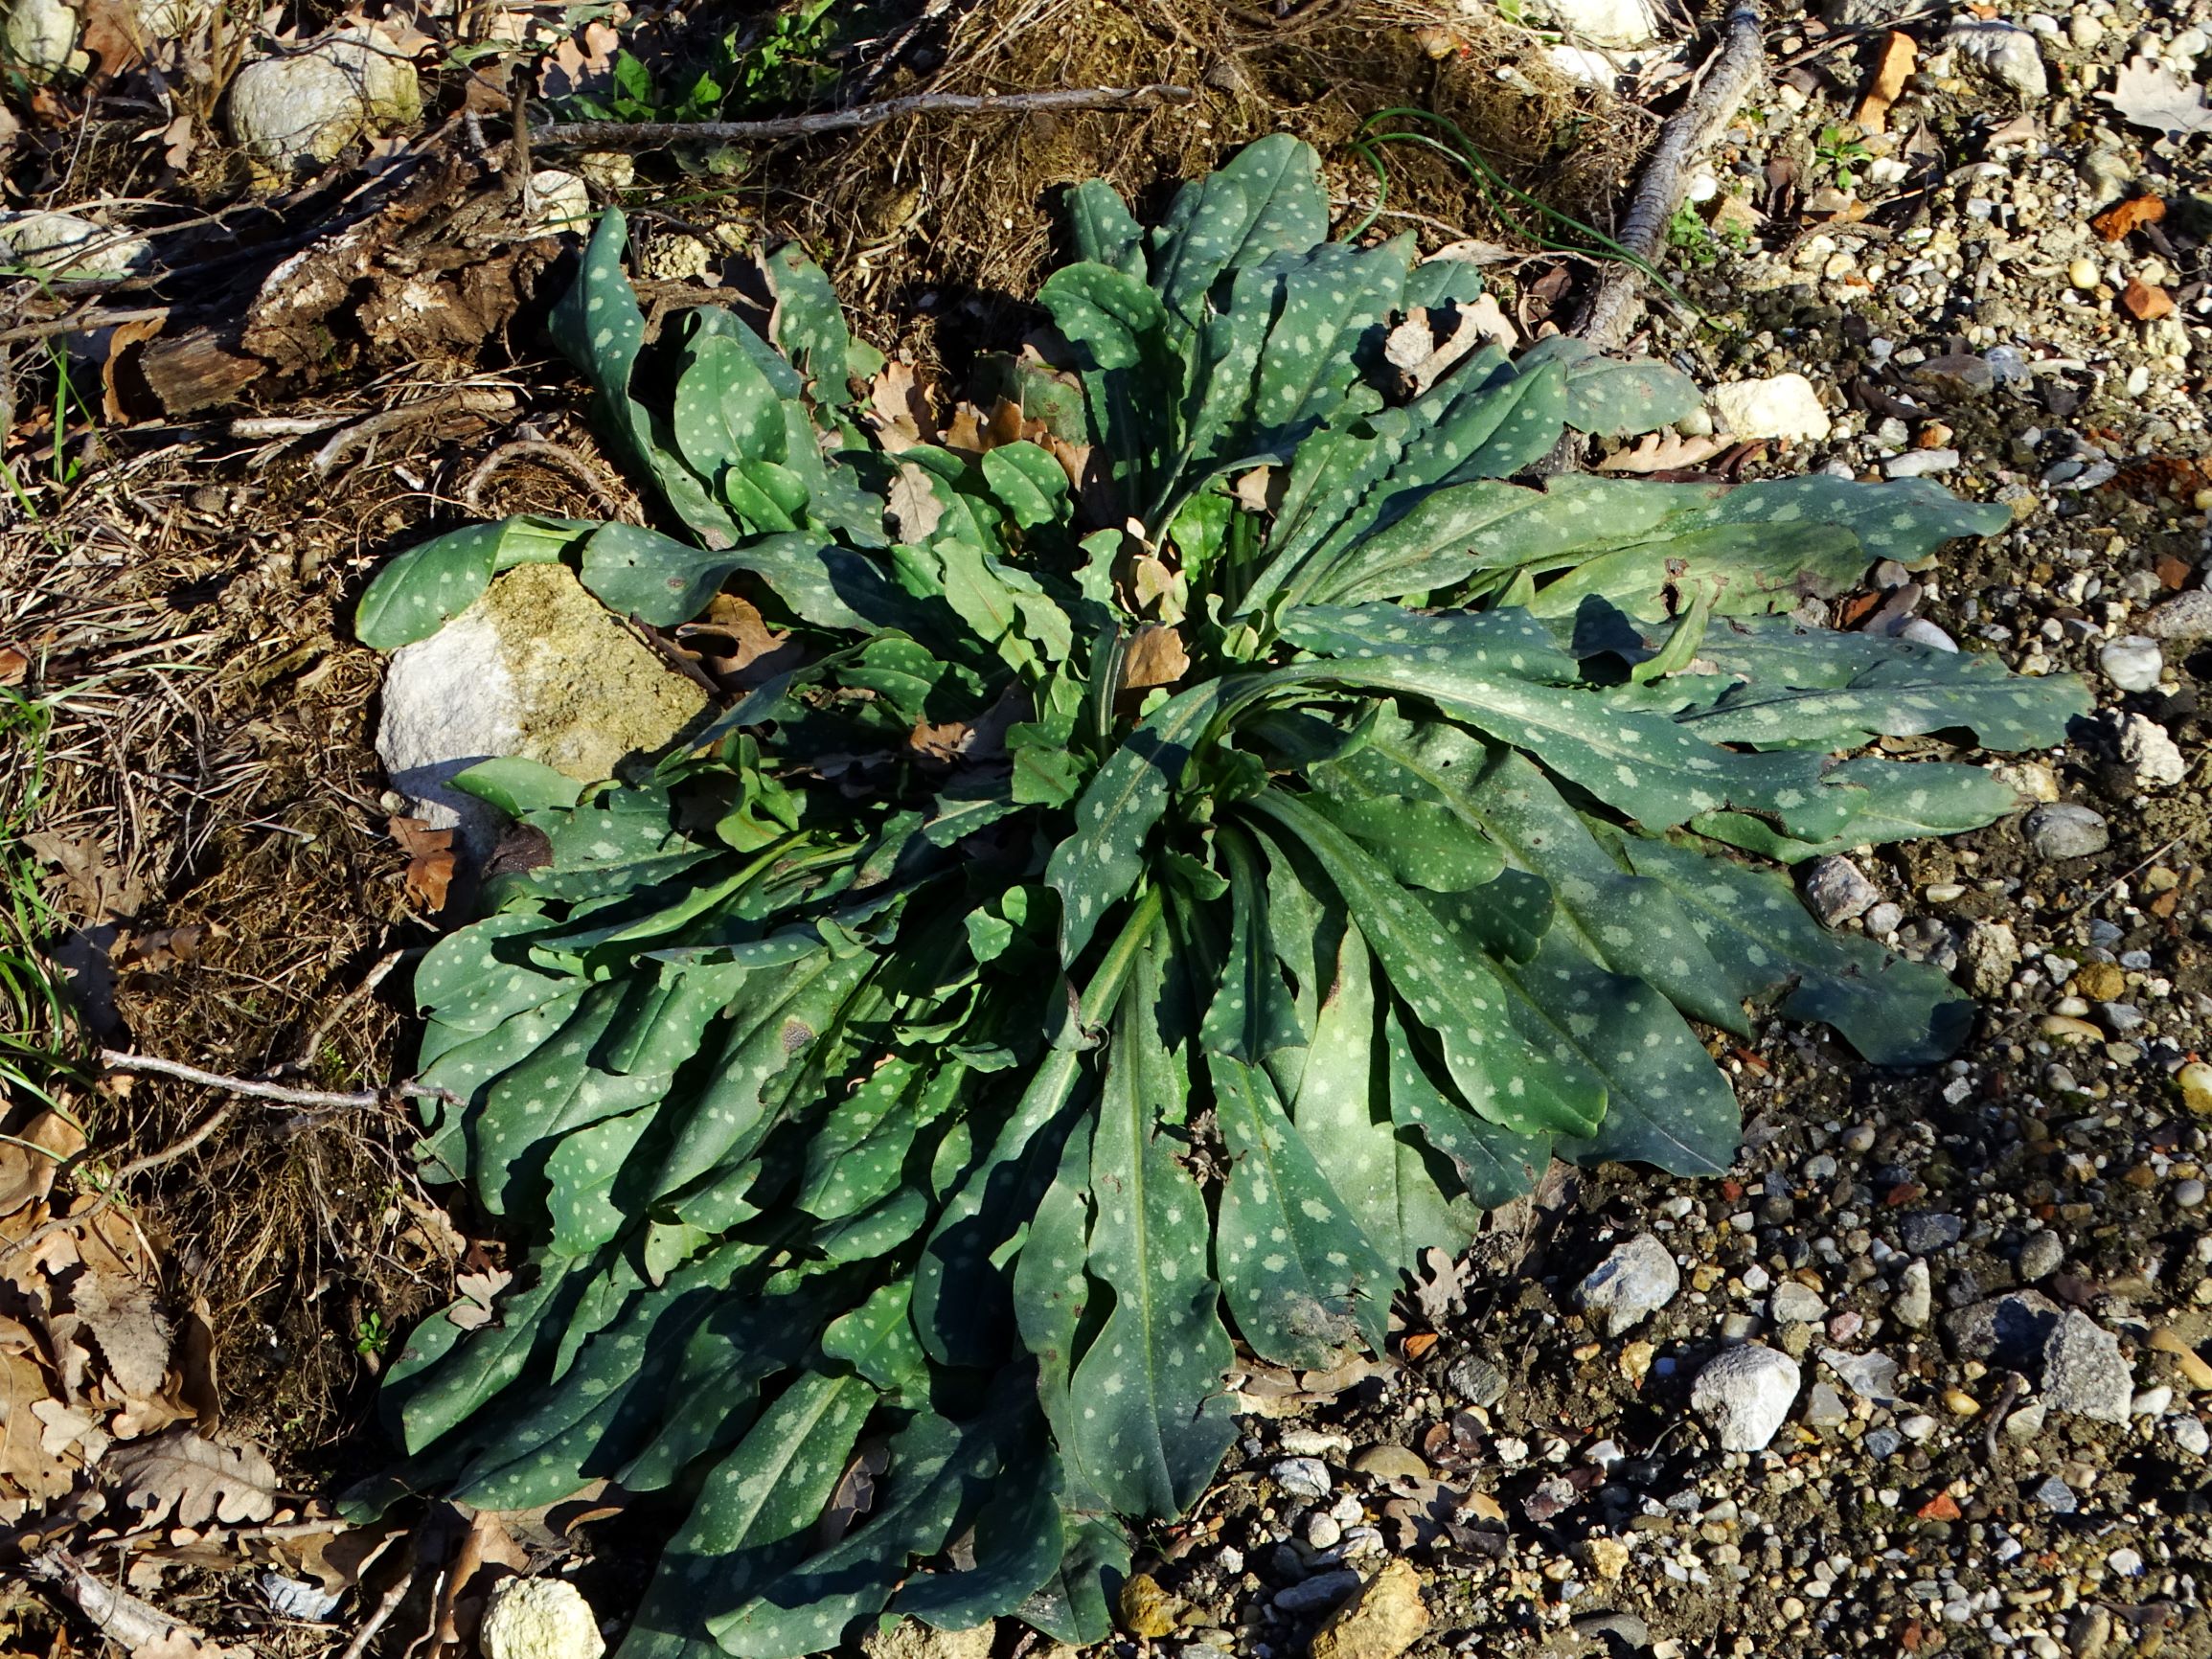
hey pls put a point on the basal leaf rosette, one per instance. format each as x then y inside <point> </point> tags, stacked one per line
<point>1217,835</point>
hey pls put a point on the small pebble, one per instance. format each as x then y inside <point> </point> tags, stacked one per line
<point>2134,662</point>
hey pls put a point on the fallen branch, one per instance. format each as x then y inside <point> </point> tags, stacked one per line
<point>652,134</point>
<point>359,1100</point>
<point>1609,316</point>
<point>116,1614</point>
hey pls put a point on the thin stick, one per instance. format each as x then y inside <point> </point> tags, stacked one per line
<point>77,320</point>
<point>115,1060</point>
<point>115,1613</point>
<point>653,134</point>
<point>1606,319</point>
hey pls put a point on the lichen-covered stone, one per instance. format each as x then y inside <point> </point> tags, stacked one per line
<point>307,105</point>
<point>66,246</point>
<point>535,668</point>
<point>540,1619</point>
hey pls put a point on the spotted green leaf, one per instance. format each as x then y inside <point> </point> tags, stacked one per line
<point>427,586</point>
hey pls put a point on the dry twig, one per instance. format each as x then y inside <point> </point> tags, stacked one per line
<point>117,1060</point>
<point>1606,319</point>
<point>652,134</point>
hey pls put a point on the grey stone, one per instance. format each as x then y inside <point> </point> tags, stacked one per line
<point>1914,1302</point>
<point>1619,1632</point>
<point>1924,1232</point>
<point>1638,1278</point>
<point>1824,1407</point>
<point>2004,52</point>
<point>2041,1255</point>
<point>1920,630</point>
<point>1882,1443</point>
<point>1302,1477</point>
<point>1872,1376</point>
<point>1883,920</point>
<point>538,668</point>
<point>1746,1394</point>
<point>1795,1304</point>
<point>1475,1380</point>
<point>1322,1590</point>
<point>1839,890</point>
<point>2134,662</point>
<point>2008,1330</point>
<point>2056,1496</point>
<point>2084,1371</point>
<point>2065,830</point>
<point>2186,616</point>
<point>1918,464</point>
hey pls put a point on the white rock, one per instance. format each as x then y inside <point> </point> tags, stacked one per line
<point>562,201</point>
<point>39,38</point>
<point>1581,63</point>
<point>1745,1392</point>
<point>2149,753</point>
<point>2133,662</point>
<point>1609,22</point>
<point>540,1619</point>
<point>538,668</point>
<point>1920,463</point>
<point>1636,1278</point>
<point>2004,52</point>
<point>66,246</point>
<point>308,104</point>
<point>1914,1304</point>
<point>1924,633</point>
<point>1786,406</point>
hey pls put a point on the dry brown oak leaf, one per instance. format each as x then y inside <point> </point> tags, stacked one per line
<point>178,1476</point>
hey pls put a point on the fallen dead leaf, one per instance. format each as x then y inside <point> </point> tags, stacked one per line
<point>478,1292</point>
<point>2149,95</point>
<point>2125,219</point>
<point>488,1554</point>
<point>1155,657</point>
<point>31,1158</point>
<point>1157,588</point>
<point>1259,491</point>
<point>942,744</point>
<point>98,891</point>
<point>133,1337</point>
<point>192,1356</point>
<point>1664,452</point>
<point>176,1476</point>
<point>900,409</point>
<point>14,666</point>
<point>855,1492</point>
<point>429,860</point>
<point>913,503</point>
<point>28,1473</point>
<point>583,62</point>
<point>1890,73</point>
<point>2145,303</point>
<point>162,949</point>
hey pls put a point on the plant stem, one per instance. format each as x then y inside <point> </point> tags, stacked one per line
<point>655,134</point>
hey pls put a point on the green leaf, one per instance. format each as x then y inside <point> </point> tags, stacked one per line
<point>1154,1419</point>
<point>518,787</point>
<point>1096,867</point>
<point>663,581</point>
<point>1029,482</point>
<point>1101,231</point>
<point>1267,199</point>
<point>1075,1605</point>
<point>1306,1286</point>
<point>1017,1549</point>
<point>1496,1165</point>
<point>1251,1014</point>
<point>755,1515</point>
<point>1893,1011</point>
<point>427,586</point>
<point>938,1472</point>
<point>1443,975</point>
<point>809,324</point>
<point>1384,1180</point>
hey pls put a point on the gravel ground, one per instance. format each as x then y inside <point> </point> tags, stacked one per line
<point>1921,1376</point>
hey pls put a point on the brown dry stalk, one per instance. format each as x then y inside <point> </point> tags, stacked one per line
<point>1605,320</point>
<point>651,134</point>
